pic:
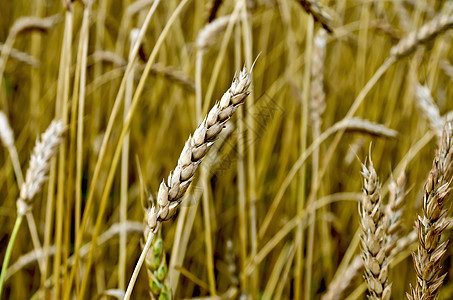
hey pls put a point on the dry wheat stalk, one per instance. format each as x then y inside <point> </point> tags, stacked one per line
<point>170,192</point>
<point>22,56</point>
<point>429,109</point>
<point>427,32</point>
<point>373,236</point>
<point>319,13</point>
<point>427,260</point>
<point>40,159</point>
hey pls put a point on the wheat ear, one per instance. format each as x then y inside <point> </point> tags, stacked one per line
<point>392,223</point>
<point>40,159</point>
<point>196,147</point>
<point>171,191</point>
<point>427,260</point>
<point>427,32</point>
<point>373,236</point>
<point>36,176</point>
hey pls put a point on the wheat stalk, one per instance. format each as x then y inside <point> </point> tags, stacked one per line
<point>373,236</point>
<point>427,260</point>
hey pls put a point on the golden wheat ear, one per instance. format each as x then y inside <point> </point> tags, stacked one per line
<point>373,235</point>
<point>430,225</point>
<point>171,191</point>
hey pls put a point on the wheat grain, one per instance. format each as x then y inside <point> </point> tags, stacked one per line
<point>373,236</point>
<point>427,260</point>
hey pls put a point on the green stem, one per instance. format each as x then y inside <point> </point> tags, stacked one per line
<point>9,250</point>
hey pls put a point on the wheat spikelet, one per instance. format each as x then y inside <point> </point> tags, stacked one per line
<point>373,236</point>
<point>170,192</point>
<point>40,159</point>
<point>429,109</point>
<point>315,8</point>
<point>427,260</point>
<point>427,32</point>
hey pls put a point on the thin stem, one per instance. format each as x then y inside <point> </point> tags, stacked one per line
<point>139,264</point>
<point>242,224</point>
<point>34,237</point>
<point>251,163</point>
<point>301,197</point>
<point>16,164</point>
<point>9,250</point>
<point>124,182</point>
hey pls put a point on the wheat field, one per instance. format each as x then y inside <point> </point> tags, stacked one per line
<point>209,149</point>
